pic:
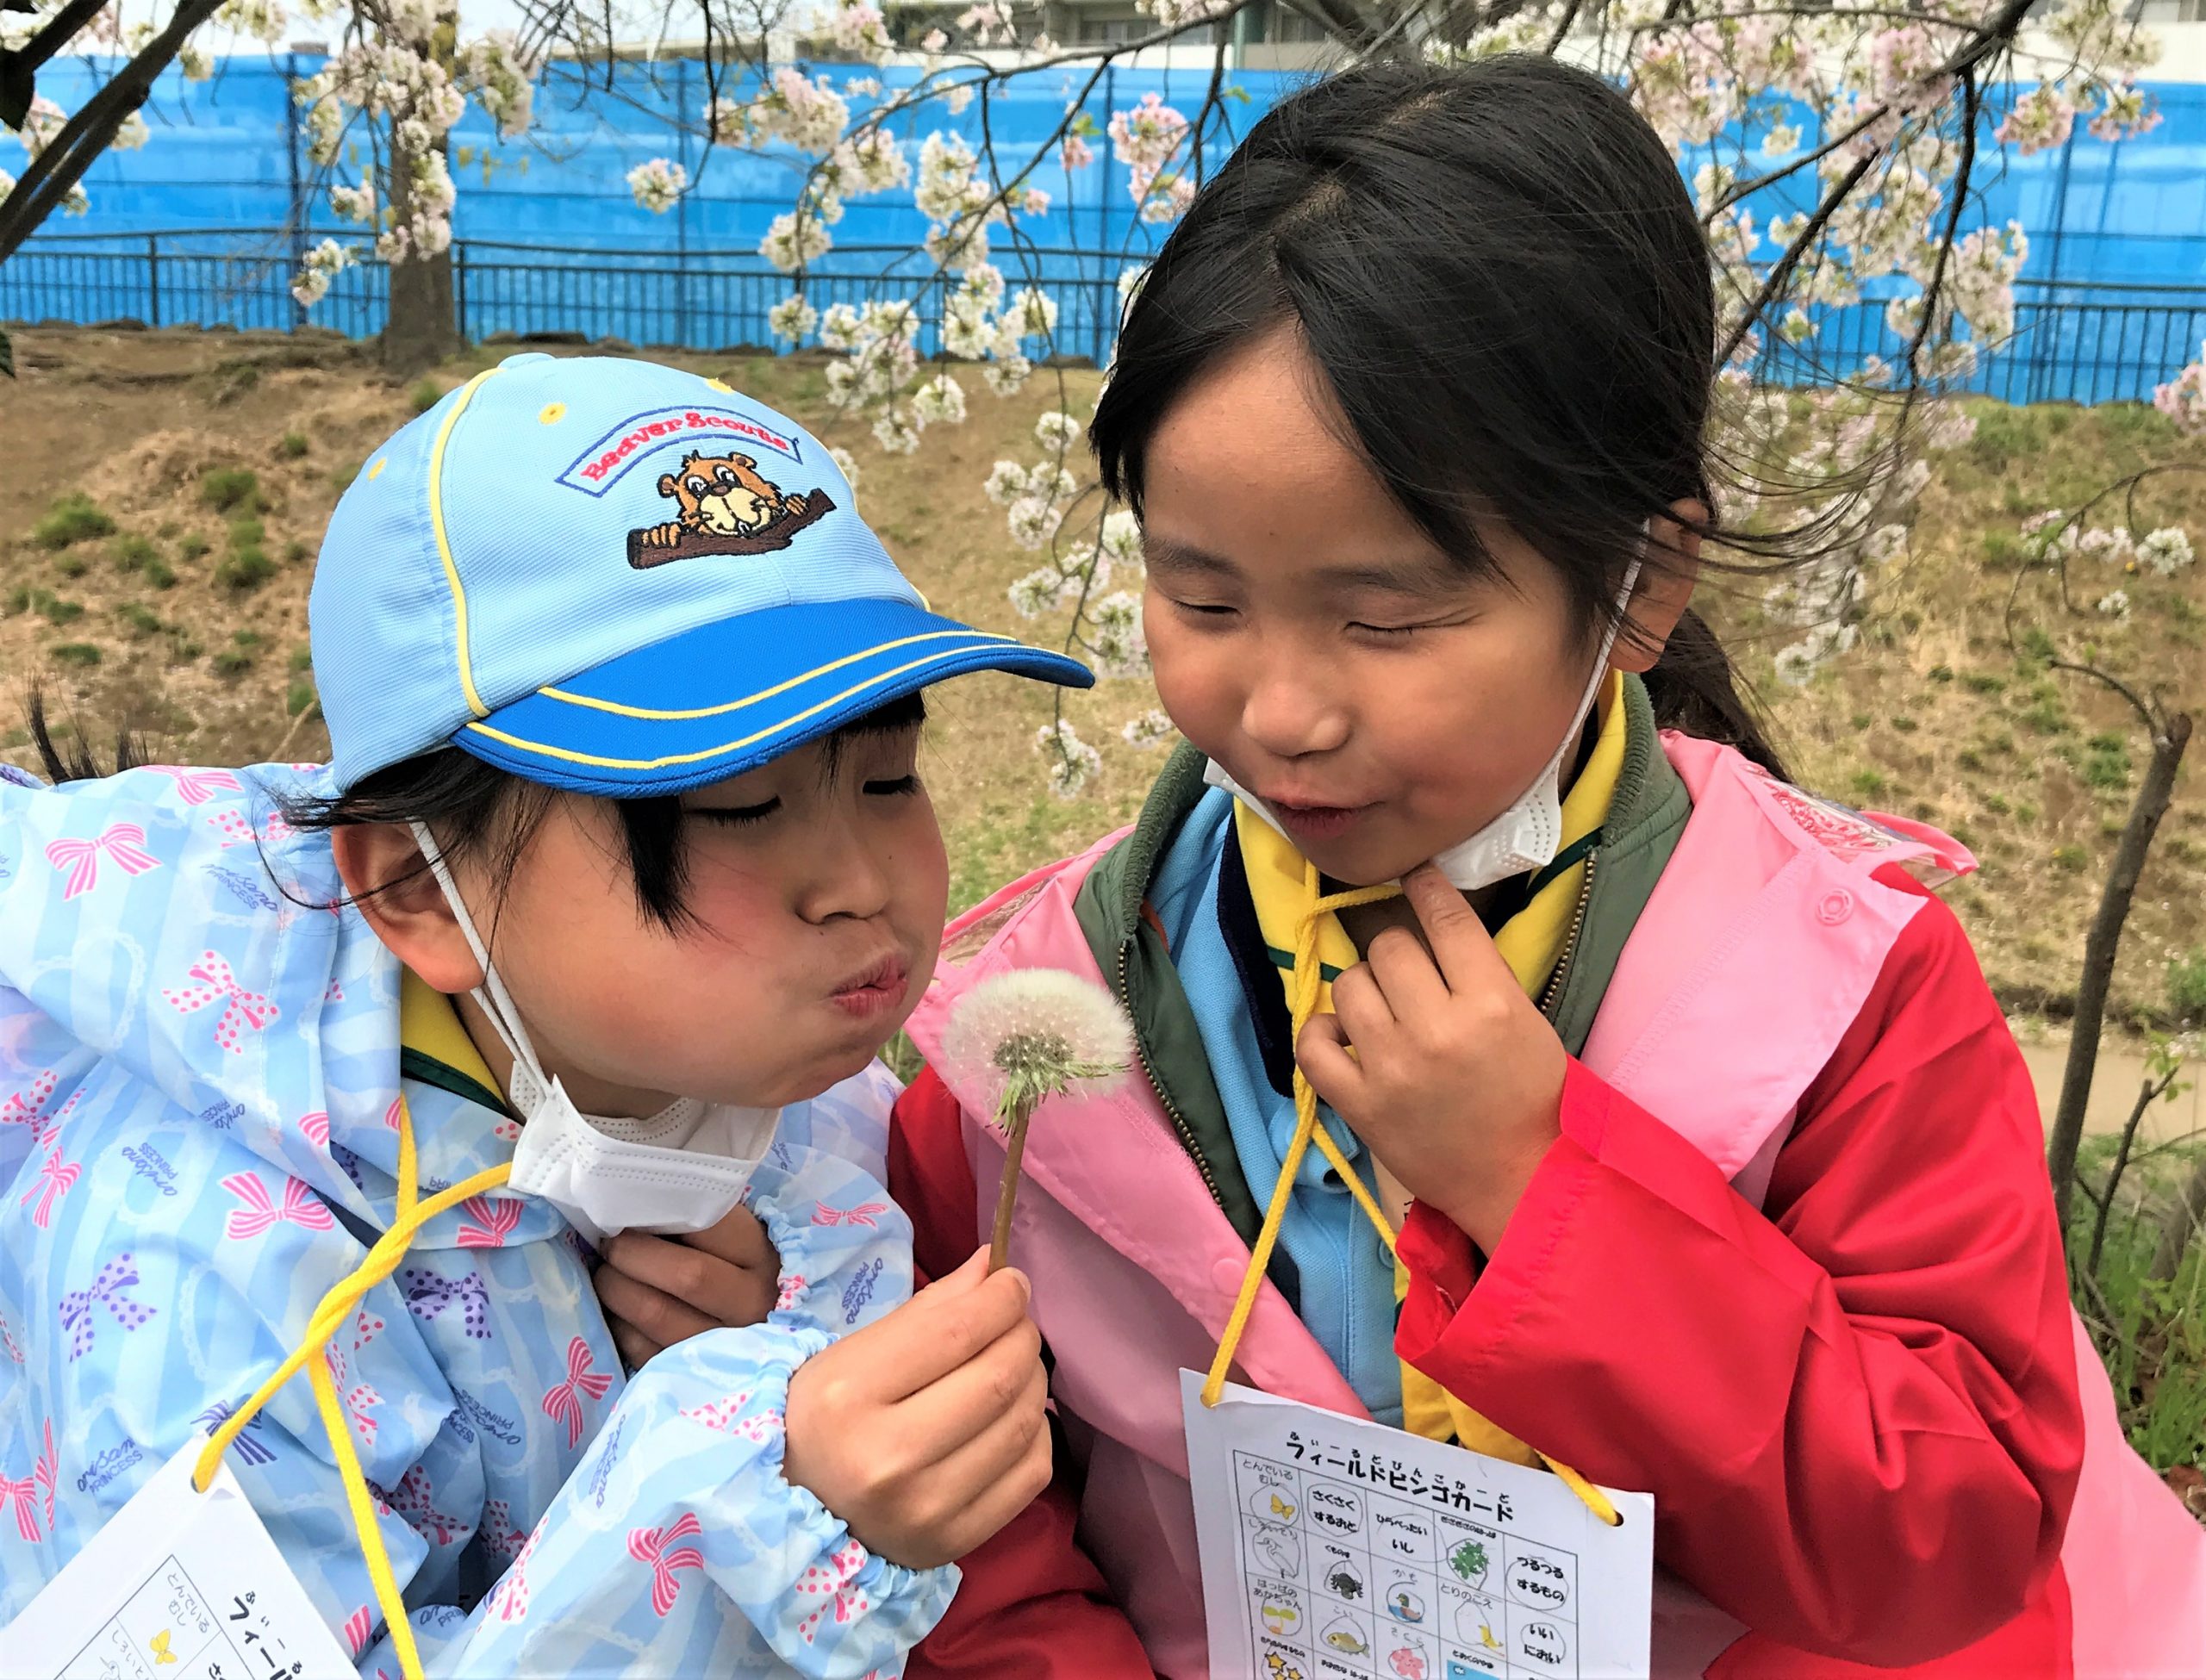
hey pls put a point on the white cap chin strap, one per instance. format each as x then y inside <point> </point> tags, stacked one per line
<point>528,1082</point>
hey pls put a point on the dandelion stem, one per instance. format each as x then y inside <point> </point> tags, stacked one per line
<point>1015,1121</point>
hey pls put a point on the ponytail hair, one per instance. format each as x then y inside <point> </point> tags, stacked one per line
<point>77,761</point>
<point>1694,690</point>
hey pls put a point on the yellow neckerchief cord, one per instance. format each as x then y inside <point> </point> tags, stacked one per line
<point>335,1309</point>
<point>1531,944</point>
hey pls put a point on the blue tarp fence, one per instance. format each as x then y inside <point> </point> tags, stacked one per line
<point>205,223</point>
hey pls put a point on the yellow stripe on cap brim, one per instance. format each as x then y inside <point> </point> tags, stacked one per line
<point>444,544</point>
<point>568,754</point>
<point>972,638</point>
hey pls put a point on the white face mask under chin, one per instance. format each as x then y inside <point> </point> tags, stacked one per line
<point>1527,836</point>
<point>604,1182</point>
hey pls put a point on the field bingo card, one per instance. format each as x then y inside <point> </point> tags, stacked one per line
<point>179,1585</point>
<point>1338,1549</point>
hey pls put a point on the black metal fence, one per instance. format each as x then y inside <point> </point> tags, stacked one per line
<point>2082,344</point>
<point>697,300</point>
<point>2079,344</point>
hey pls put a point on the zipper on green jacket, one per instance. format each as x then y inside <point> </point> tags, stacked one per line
<point>1551,993</point>
<point>1163,1097</point>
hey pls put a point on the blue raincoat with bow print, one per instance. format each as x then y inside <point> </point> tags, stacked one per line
<point>201,1073</point>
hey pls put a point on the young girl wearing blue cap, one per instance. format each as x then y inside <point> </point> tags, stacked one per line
<point>621,873</point>
<point>1682,1143</point>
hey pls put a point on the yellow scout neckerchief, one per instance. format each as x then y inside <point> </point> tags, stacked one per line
<point>1302,930</point>
<point>427,1023</point>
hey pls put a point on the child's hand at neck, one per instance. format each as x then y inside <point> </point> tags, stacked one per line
<point>1441,1064</point>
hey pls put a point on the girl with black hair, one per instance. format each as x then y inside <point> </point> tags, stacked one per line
<point>1666,1127</point>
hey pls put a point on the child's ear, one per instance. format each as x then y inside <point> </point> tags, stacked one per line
<point>1664,586</point>
<point>388,878</point>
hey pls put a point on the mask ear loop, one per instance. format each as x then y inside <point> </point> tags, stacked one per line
<point>495,1001</point>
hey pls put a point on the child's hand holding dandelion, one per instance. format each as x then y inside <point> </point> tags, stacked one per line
<point>1023,1037</point>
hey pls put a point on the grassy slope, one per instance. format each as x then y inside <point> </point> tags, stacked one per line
<point>1934,716</point>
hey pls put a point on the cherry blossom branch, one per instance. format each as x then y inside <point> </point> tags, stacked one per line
<point>1959,197</point>
<point>62,162</point>
<point>55,34</point>
<point>1781,271</point>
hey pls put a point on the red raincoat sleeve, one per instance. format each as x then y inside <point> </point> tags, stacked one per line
<point>1031,1603</point>
<point>1857,1409</point>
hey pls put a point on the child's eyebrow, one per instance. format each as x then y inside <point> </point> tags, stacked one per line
<point>1418,574</point>
<point>1422,575</point>
<point>1163,551</point>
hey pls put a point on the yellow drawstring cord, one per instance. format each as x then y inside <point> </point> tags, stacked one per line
<point>1308,977</point>
<point>335,1307</point>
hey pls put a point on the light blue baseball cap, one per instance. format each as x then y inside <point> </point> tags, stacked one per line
<point>617,578</point>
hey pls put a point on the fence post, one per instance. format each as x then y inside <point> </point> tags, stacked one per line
<point>153,279</point>
<point>2045,357</point>
<point>1103,168</point>
<point>682,204</point>
<point>297,217</point>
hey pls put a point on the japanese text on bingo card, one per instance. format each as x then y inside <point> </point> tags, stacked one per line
<point>1334,1549</point>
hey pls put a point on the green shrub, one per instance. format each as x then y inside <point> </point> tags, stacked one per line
<point>426,395</point>
<point>230,662</point>
<point>1982,682</point>
<point>247,533</point>
<point>76,653</point>
<point>1905,725</point>
<point>71,519</point>
<point>59,612</point>
<point>248,569</point>
<point>1969,759</point>
<point>72,565</point>
<point>142,620</point>
<point>231,489</point>
<point>1867,784</point>
<point>2107,767</point>
<point>2187,985</point>
<point>300,698</point>
<point>2074,859</point>
<point>193,546</point>
<point>1996,805</point>
<point>134,553</point>
<point>1941,674</point>
<point>294,551</point>
<point>342,477</point>
<point>294,445</point>
<point>302,660</point>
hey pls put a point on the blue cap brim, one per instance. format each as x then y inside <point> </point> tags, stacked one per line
<point>728,697</point>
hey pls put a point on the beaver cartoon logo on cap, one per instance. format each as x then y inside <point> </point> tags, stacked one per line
<point>724,506</point>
